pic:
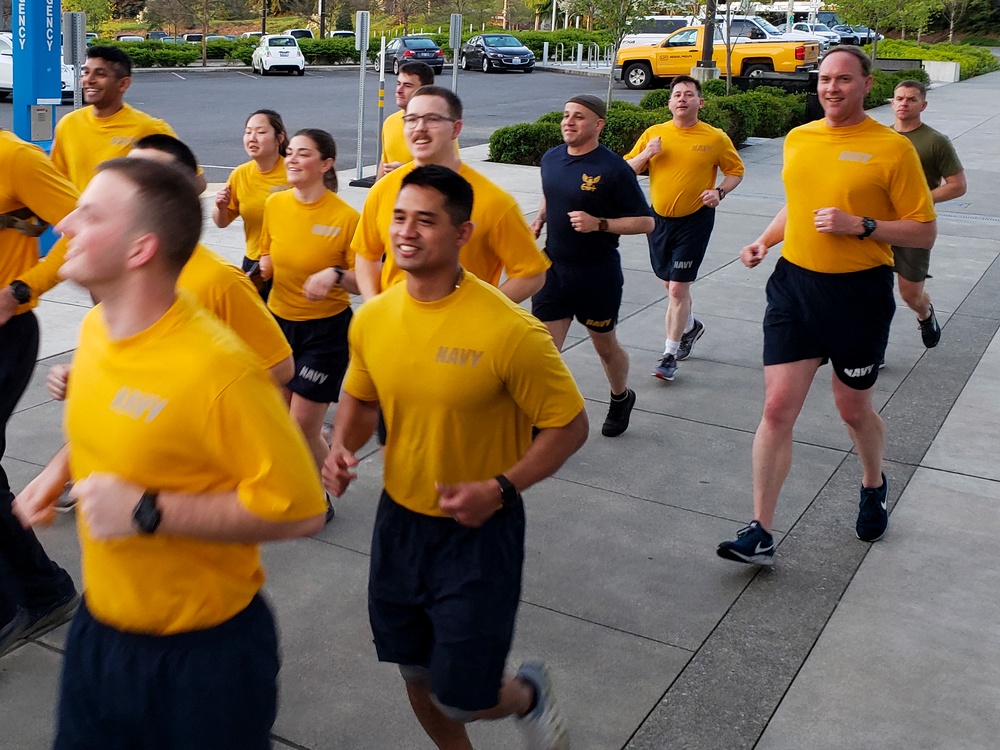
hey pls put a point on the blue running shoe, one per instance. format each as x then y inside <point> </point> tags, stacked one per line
<point>873,517</point>
<point>752,545</point>
<point>667,368</point>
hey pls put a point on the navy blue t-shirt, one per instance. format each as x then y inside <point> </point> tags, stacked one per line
<point>600,183</point>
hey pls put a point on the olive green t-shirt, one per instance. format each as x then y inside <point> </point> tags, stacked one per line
<point>937,155</point>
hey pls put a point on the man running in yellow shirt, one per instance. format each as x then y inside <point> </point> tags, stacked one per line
<point>395,151</point>
<point>183,458</point>
<point>853,188</point>
<point>502,242</point>
<point>108,127</point>
<point>470,373</point>
<point>683,157</point>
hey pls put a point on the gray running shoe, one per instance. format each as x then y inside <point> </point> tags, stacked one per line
<point>667,368</point>
<point>688,339</point>
<point>46,619</point>
<point>544,727</point>
<point>14,630</point>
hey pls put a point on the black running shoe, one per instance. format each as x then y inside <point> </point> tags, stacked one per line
<point>618,415</point>
<point>688,339</point>
<point>930,331</point>
<point>330,512</point>
<point>873,518</point>
<point>752,545</point>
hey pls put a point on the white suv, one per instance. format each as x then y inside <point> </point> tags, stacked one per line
<point>7,70</point>
<point>278,52</point>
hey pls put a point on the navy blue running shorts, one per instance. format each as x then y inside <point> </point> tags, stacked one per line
<point>677,245</point>
<point>319,348</point>
<point>212,689</point>
<point>840,317</point>
<point>444,597</point>
<point>591,294</point>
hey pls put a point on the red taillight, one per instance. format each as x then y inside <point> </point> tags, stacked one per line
<point>408,53</point>
<point>440,53</point>
<point>800,53</point>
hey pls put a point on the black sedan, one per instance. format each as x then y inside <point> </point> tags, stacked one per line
<point>489,52</point>
<point>404,49</point>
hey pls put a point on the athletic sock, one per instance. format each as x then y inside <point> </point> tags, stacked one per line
<point>620,396</point>
<point>690,323</point>
<point>671,347</point>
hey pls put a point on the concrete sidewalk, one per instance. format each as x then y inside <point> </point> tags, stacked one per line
<point>654,641</point>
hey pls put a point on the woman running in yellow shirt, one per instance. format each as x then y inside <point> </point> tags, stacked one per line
<point>251,184</point>
<point>305,246</point>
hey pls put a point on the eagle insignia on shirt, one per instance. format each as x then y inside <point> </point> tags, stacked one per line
<point>590,183</point>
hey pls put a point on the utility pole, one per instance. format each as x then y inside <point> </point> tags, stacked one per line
<point>706,69</point>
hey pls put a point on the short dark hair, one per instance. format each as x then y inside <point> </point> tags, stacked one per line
<point>117,60</point>
<point>857,53</point>
<point>450,97</point>
<point>277,124</point>
<point>456,189</point>
<point>685,79</point>
<point>166,204</point>
<point>183,155</point>
<point>420,70</point>
<point>911,84</point>
<point>327,148</point>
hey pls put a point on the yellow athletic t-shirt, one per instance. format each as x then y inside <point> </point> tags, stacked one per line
<point>865,170</point>
<point>460,382</point>
<point>82,140</point>
<point>303,238</point>
<point>501,241</point>
<point>687,166</point>
<point>250,190</point>
<point>28,180</point>
<point>227,293</point>
<point>183,406</point>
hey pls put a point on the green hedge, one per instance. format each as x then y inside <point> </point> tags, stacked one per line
<point>884,84</point>
<point>524,143</point>
<point>972,61</point>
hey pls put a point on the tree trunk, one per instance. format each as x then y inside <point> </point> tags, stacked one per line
<point>951,26</point>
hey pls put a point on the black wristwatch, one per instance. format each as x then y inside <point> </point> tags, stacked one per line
<point>508,492</point>
<point>602,225</point>
<point>721,192</point>
<point>20,291</point>
<point>340,274</point>
<point>146,515</point>
<point>869,226</point>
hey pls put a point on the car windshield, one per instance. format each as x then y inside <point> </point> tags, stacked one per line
<point>767,26</point>
<point>502,41</point>
<point>419,44</point>
<point>281,41</point>
<point>821,27</point>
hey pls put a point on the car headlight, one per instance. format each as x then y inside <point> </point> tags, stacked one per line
<point>493,54</point>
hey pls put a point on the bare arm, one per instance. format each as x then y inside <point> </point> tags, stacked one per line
<point>367,276</point>
<point>222,215</point>
<point>281,372</point>
<point>472,503</point>
<point>754,253</point>
<point>640,162</point>
<point>519,288</point>
<point>539,221</point>
<point>107,502</point>
<point>353,426</point>
<point>35,505</point>
<point>730,182</point>
<point>954,187</point>
<point>902,232</point>
<point>583,222</point>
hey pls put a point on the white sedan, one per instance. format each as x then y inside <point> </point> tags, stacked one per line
<point>278,52</point>
<point>7,70</point>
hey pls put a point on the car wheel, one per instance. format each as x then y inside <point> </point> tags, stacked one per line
<point>464,62</point>
<point>487,68</point>
<point>749,70</point>
<point>301,71</point>
<point>439,71</point>
<point>395,66</point>
<point>638,76</point>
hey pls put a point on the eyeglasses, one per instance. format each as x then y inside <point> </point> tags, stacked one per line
<point>431,120</point>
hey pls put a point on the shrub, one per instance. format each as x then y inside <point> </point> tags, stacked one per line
<point>329,51</point>
<point>777,113</point>
<point>714,87</point>
<point>623,127</point>
<point>552,118</point>
<point>524,143</point>
<point>981,41</point>
<point>885,81</point>
<point>655,99</point>
<point>743,116</point>
<point>972,61</point>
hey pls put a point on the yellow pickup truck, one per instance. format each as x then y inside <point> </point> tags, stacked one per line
<point>639,67</point>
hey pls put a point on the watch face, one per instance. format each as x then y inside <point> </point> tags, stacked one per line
<point>21,292</point>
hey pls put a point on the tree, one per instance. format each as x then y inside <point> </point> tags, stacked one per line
<point>875,14</point>
<point>616,17</point>
<point>403,11</point>
<point>98,11</point>
<point>955,10</point>
<point>127,8</point>
<point>916,15</point>
<point>345,18</point>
